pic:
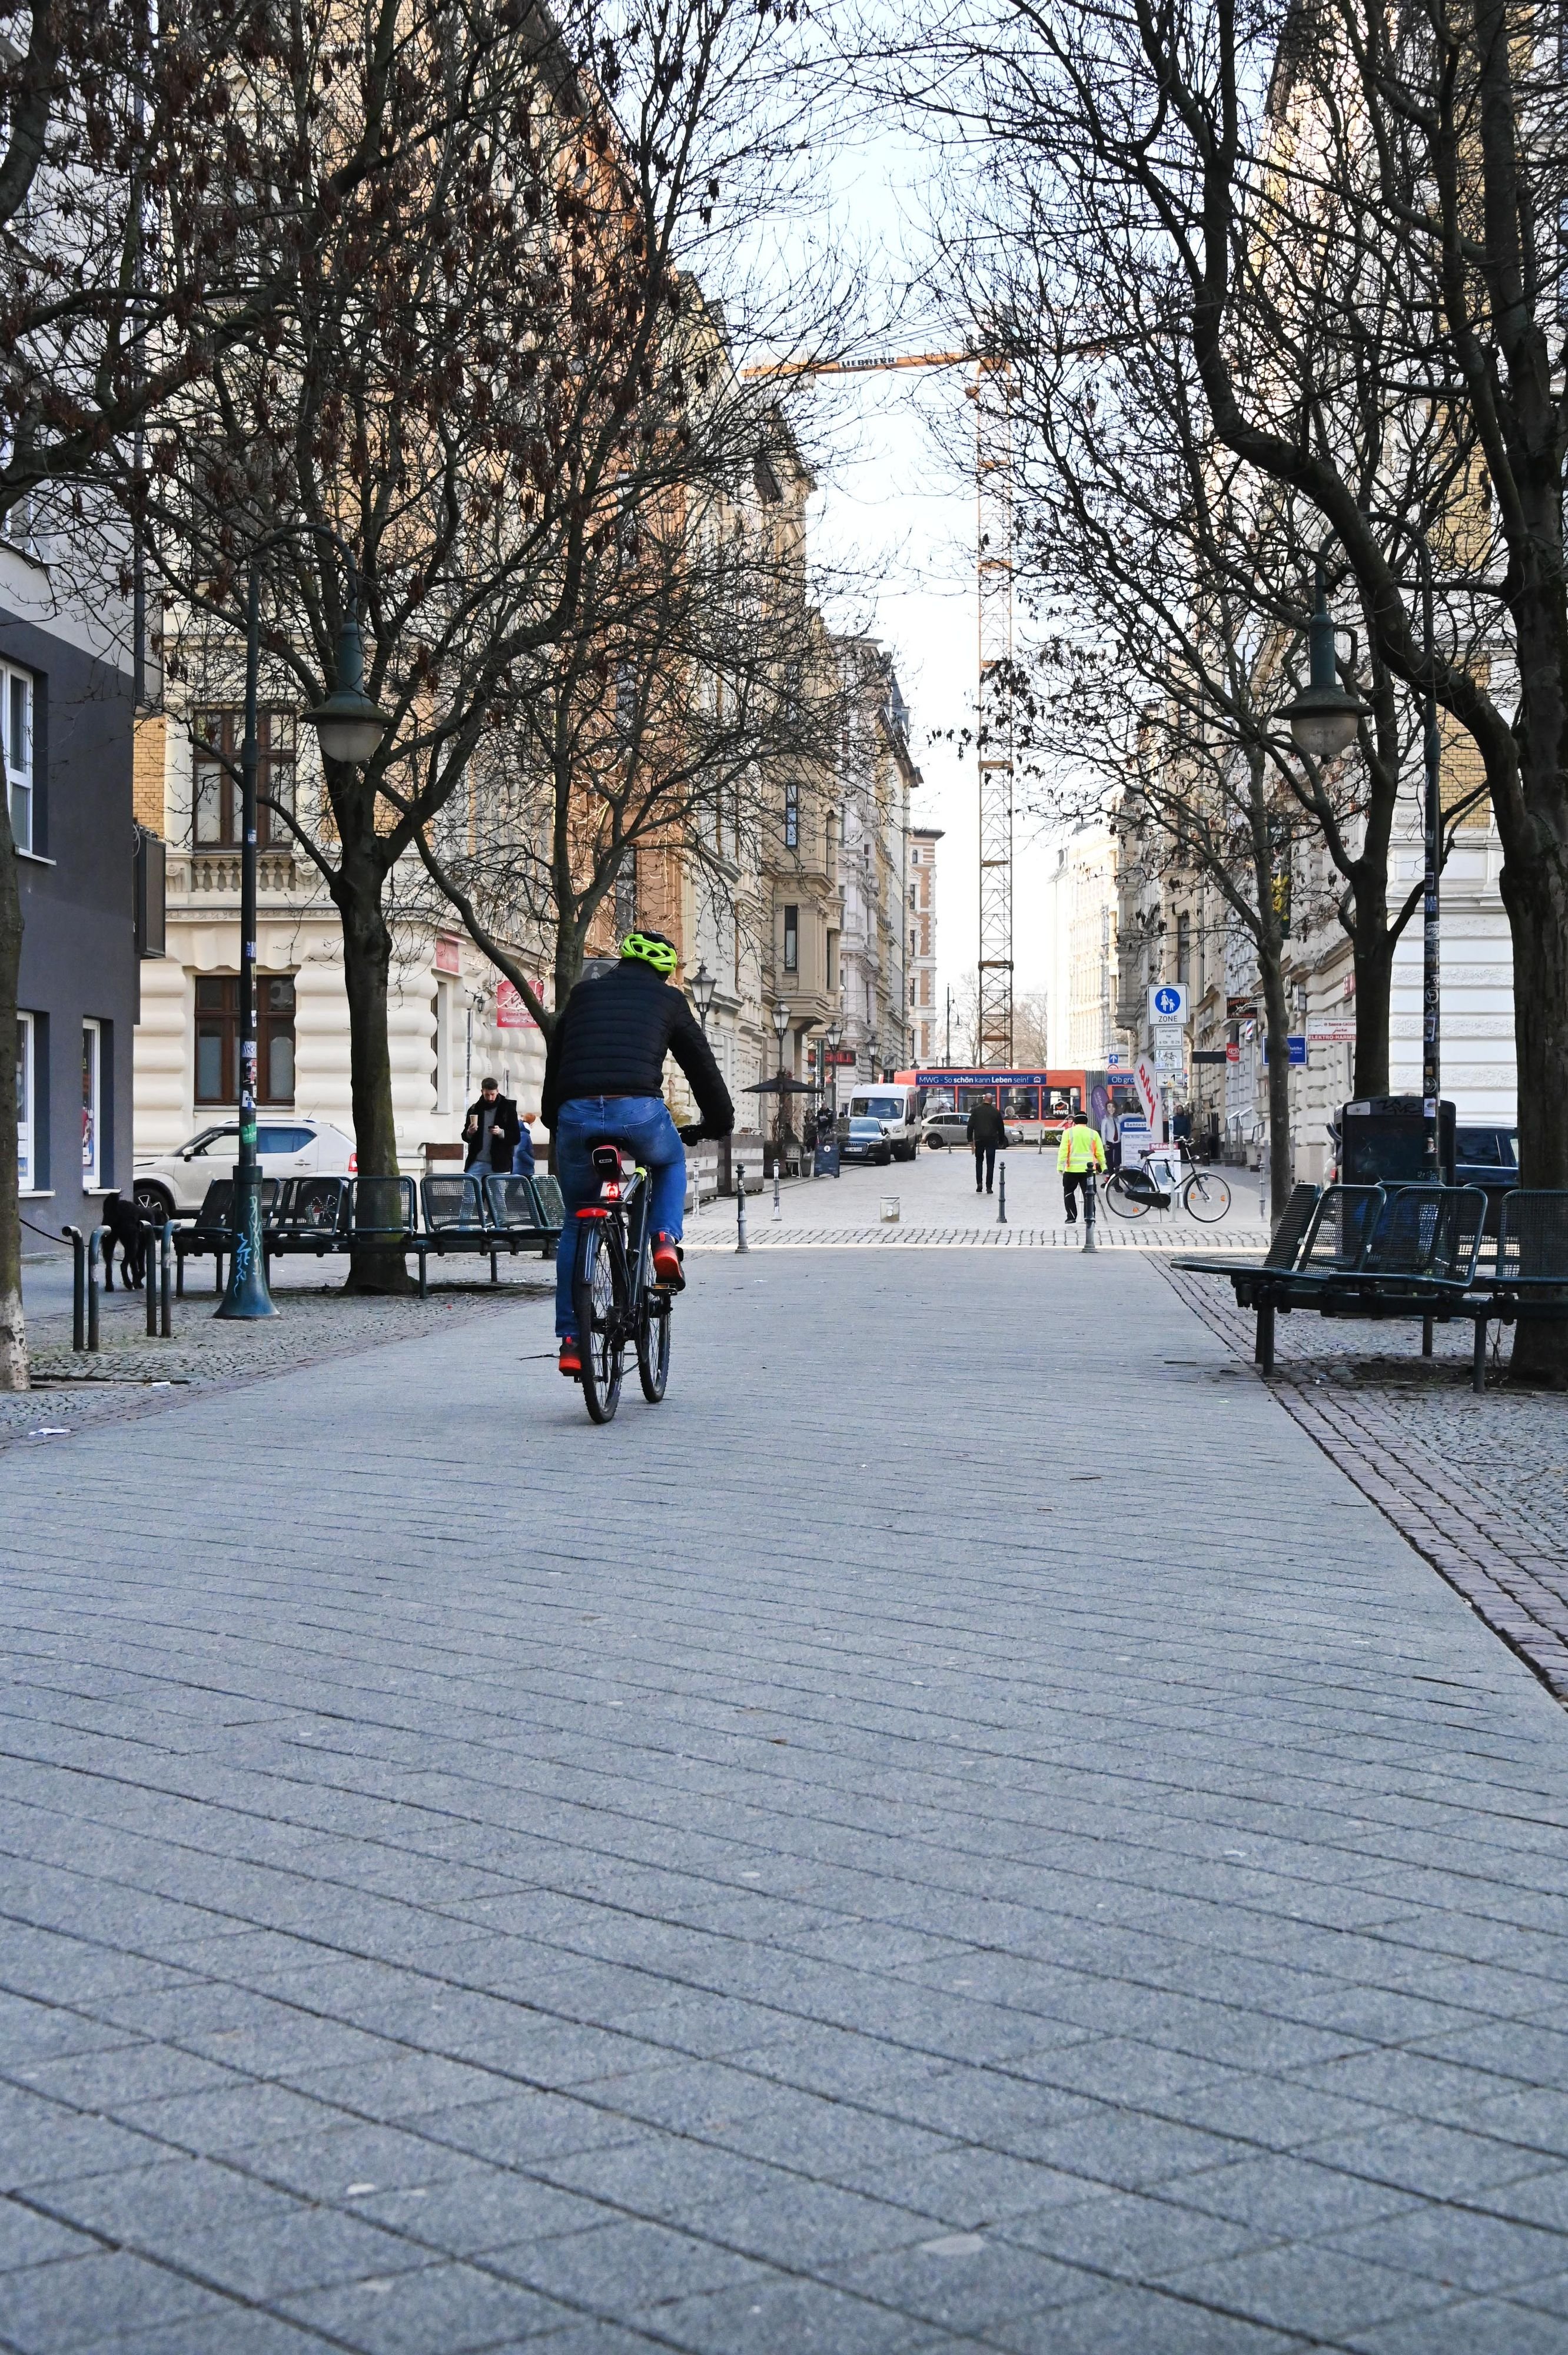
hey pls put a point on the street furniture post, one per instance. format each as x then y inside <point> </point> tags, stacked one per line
<point>149,1275</point>
<point>94,1266</point>
<point>1089,1242</point>
<point>740,1242</point>
<point>1001,1196</point>
<point>78,1286</point>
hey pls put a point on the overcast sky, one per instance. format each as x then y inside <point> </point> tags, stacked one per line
<point>897,500</point>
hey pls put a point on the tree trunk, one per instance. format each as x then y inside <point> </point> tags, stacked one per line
<point>1535,893</point>
<point>1281,1172</point>
<point>367,972</point>
<point>14,1373</point>
<point>1373,951</point>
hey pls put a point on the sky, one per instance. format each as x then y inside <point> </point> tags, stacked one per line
<point>896,505</point>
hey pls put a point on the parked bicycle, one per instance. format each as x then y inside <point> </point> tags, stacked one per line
<point>616,1298</point>
<point>1202,1193</point>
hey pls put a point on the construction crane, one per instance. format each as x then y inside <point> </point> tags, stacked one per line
<point>993,706</point>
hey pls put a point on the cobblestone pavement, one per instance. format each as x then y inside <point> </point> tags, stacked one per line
<point>939,1208</point>
<point>1479,1485</point>
<point>131,1375</point>
<point>963,1829</point>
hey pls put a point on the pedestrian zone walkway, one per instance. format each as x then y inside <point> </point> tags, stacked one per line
<point>963,1829</point>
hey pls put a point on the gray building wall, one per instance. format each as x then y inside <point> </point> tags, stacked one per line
<point>79,950</point>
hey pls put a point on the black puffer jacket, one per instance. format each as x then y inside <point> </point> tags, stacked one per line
<point>986,1124</point>
<point>611,1040</point>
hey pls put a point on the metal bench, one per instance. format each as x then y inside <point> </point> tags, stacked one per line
<point>312,1215</point>
<point>1530,1279</point>
<point>486,1215</point>
<point>212,1231</point>
<point>1378,1252</point>
<point>526,1213</point>
<point>1282,1251</point>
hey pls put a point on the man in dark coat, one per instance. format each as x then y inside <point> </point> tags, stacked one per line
<point>489,1131</point>
<point>986,1131</point>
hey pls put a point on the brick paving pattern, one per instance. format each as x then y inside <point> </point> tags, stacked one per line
<point>131,1375</point>
<point>1479,1485</point>
<point>961,1831</point>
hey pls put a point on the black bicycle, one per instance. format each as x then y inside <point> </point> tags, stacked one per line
<point>616,1298</point>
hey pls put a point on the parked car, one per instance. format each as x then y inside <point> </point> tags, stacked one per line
<point>1487,1157</point>
<point>947,1127</point>
<point>866,1140</point>
<point>174,1185</point>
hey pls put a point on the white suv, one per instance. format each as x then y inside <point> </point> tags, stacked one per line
<point>174,1185</point>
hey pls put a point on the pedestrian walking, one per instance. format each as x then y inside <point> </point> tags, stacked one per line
<point>1110,1137</point>
<point>1079,1151</point>
<point>489,1131</point>
<point>985,1130</point>
<point>523,1151</point>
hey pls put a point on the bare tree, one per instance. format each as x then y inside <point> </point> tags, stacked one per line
<point>1351,204</point>
<point>482,381</point>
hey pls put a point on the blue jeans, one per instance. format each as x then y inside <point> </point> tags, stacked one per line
<point>642,1124</point>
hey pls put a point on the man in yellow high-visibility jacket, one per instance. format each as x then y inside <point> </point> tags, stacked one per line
<point>1079,1151</point>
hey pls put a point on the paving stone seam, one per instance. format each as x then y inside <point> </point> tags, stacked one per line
<point>1391,1469</point>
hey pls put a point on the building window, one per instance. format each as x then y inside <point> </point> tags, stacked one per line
<point>217,1039</point>
<point>91,1106</point>
<point>912,900</point>
<point>792,815</point>
<point>218,796</point>
<point>1184,950</point>
<point>16,726</point>
<point>626,893</point>
<point>832,964</point>
<point>791,940</point>
<point>27,1178</point>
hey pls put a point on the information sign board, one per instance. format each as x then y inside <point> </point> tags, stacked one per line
<point>1168,1001</point>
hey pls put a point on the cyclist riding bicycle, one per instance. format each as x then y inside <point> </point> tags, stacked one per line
<point>603,1075</point>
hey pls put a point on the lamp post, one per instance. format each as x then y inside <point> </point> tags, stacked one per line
<point>703,984</point>
<point>349,730</point>
<point>835,1035</point>
<point>870,1044</point>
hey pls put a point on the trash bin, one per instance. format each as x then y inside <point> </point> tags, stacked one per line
<point>1385,1137</point>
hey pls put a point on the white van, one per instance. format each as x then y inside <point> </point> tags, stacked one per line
<point>895,1104</point>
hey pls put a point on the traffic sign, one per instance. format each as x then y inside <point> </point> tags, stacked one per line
<point>1168,1001</point>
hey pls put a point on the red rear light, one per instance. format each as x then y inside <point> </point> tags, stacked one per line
<point>353,1164</point>
<point>610,1192</point>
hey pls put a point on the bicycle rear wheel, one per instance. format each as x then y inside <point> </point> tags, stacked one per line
<point>599,1305</point>
<point>1208,1196</point>
<point>652,1349</point>
<point>1115,1197</point>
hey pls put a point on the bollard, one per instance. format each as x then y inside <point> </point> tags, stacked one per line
<point>778,1210</point>
<point>78,1286</point>
<point>165,1280</point>
<point>94,1263</point>
<point>1089,1242</point>
<point>740,1242</point>
<point>1001,1196</point>
<point>149,1263</point>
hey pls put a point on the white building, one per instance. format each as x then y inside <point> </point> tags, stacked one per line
<point>451,1018</point>
<point>928,1032</point>
<point>1081,949</point>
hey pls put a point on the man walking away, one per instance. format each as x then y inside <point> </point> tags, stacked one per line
<point>489,1131</point>
<point>1079,1151</point>
<point>523,1151</point>
<point>986,1130</point>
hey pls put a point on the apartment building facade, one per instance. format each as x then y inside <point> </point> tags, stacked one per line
<point>927,1030</point>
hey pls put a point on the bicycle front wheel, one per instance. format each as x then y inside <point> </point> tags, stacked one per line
<point>1208,1196</point>
<point>599,1305</point>
<point>1115,1198</point>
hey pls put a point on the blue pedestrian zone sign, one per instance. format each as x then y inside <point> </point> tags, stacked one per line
<point>1168,1002</point>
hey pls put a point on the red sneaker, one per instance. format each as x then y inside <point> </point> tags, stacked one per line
<point>571,1359</point>
<point>667,1263</point>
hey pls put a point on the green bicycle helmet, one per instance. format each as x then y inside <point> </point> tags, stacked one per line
<point>653,949</point>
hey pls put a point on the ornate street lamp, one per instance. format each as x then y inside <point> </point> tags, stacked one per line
<point>351,730</point>
<point>1324,716</point>
<point>703,984</point>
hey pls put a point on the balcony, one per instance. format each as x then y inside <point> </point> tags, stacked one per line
<point>204,874</point>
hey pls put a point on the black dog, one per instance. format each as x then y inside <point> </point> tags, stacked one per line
<point>122,1222</point>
